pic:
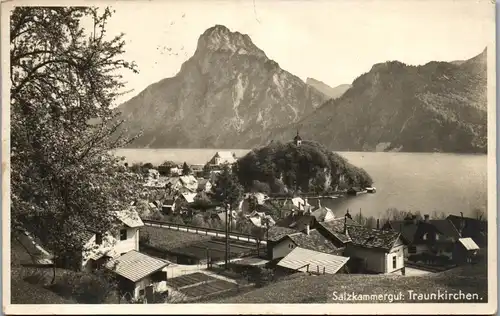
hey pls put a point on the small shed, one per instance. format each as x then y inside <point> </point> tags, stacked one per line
<point>465,250</point>
<point>138,272</point>
<point>305,260</point>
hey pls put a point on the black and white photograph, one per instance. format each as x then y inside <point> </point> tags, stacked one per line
<point>249,157</point>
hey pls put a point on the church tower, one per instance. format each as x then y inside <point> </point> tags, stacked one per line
<point>297,139</point>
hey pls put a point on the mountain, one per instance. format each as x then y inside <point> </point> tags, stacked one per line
<point>229,91</point>
<point>437,107</point>
<point>331,93</point>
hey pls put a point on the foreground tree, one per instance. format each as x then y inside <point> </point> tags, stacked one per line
<point>64,181</point>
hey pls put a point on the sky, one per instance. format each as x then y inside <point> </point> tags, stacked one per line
<point>334,41</point>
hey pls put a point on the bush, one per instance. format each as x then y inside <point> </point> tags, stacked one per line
<point>85,288</point>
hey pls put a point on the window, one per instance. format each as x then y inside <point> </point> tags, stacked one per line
<point>123,234</point>
<point>412,249</point>
<point>394,262</point>
<point>141,292</point>
<point>98,239</point>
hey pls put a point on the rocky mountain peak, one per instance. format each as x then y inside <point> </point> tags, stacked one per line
<point>219,38</point>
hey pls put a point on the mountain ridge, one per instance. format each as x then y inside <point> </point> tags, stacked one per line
<point>229,94</point>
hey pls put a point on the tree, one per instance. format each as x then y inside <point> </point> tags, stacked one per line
<point>164,168</point>
<point>186,170</point>
<point>227,189</point>
<point>229,192</point>
<point>147,166</point>
<point>64,180</point>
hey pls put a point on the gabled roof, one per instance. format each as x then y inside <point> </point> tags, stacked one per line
<point>372,238</point>
<point>297,222</point>
<point>299,258</point>
<point>135,266</point>
<point>130,218</point>
<point>225,155</point>
<point>410,229</point>
<point>189,197</point>
<point>321,213</point>
<point>314,241</point>
<point>336,228</point>
<point>275,233</point>
<point>471,225</point>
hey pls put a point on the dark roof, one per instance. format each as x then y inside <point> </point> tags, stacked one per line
<point>471,225</point>
<point>297,222</point>
<point>275,233</point>
<point>372,238</point>
<point>336,228</point>
<point>409,228</point>
<point>202,182</point>
<point>314,241</point>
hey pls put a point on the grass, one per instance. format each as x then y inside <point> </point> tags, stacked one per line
<point>168,239</point>
<point>319,289</point>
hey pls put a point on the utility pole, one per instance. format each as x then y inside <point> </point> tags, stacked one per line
<point>227,237</point>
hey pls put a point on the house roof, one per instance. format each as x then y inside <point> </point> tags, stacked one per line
<point>298,258</point>
<point>225,155</point>
<point>321,213</point>
<point>468,243</point>
<point>297,222</point>
<point>372,238</point>
<point>188,180</point>
<point>314,241</point>
<point>189,197</point>
<point>410,229</point>
<point>275,233</point>
<point>472,226</point>
<point>202,183</point>
<point>135,265</point>
<point>336,228</point>
<point>130,217</point>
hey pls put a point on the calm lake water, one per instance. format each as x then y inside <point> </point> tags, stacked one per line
<point>427,182</point>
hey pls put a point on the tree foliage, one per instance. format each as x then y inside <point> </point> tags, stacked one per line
<point>65,182</point>
<point>308,167</point>
<point>227,189</point>
<point>186,170</point>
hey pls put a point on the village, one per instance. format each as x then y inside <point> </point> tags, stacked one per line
<point>177,245</point>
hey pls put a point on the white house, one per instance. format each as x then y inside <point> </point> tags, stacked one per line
<point>379,251</point>
<point>101,247</point>
<point>222,157</point>
<point>204,185</point>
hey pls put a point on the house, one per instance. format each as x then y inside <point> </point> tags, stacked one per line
<point>175,171</point>
<point>306,260</point>
<point>139,275</point>
<point>465,250</point>
<point>168,205</point>
<point>428,237</point>
<point>475,228</point>
<point>298,221</point>
<point>260,219</point>
<point>204,185</point>
<point>189,182</point>
<point>311,240</point>
<point>323,214</point>
<point>222,157</point>
<point>335,230</point>
<point>253,201</point>
<point>102,247</point>
<point>181,184</point>
<point>375,250</point>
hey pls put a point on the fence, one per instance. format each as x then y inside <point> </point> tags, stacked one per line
<point>201,230</point>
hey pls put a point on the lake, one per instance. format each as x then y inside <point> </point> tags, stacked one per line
<point>425,182</point>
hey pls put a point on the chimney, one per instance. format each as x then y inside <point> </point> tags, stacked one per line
<point>426,218</point>
<point>378,223</point>
<point>307,229</point>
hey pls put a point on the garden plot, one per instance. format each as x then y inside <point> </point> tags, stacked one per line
<point>189,279</point>
<point>210,288</point>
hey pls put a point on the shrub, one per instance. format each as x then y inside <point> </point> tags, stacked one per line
<point>86,288</point>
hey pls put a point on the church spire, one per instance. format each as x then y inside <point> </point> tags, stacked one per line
<point>297,139</point>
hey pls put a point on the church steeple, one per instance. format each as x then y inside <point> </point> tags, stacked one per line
<point>297,139</point>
